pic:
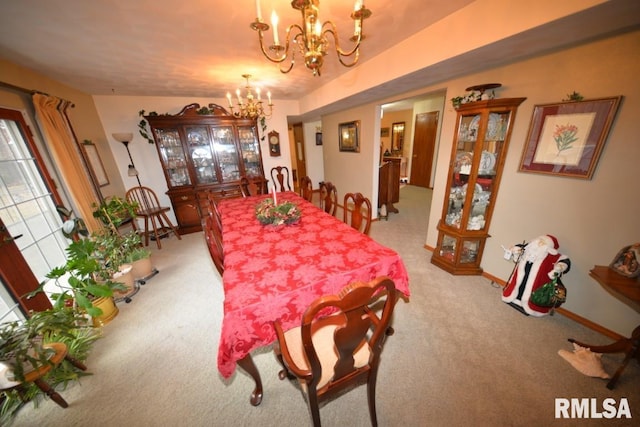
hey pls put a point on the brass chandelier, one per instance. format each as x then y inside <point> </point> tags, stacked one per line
<point>250,107</point>
<point>311,37</point>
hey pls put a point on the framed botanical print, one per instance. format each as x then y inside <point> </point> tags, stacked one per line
<point>567,138</point>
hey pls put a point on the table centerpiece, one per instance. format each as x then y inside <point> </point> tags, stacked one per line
<point>270,213</point>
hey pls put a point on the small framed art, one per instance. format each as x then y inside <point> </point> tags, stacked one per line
<point>349,136</point>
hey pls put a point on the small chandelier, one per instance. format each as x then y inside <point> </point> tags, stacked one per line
<point>310,36</point>
<point>250,107</point>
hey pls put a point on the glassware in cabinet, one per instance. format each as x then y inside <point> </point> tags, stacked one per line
<point>173,157</point>
<point>483,129</point>
<point>225,148</point>
<point>201,154</point>
<point>250,150</point>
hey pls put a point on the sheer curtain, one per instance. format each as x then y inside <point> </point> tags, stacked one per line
<point>54,123</point>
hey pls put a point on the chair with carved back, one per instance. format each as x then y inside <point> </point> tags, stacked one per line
<point>253,186</point>
<point>213,238</point>
<point>280,178</point>
<point>357,212</point>
<point>329,198</point>
<point>306,188</point>
<point>339,342</point>
<point>156,222</point>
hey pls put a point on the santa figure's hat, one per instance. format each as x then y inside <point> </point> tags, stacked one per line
<point>552,244</point>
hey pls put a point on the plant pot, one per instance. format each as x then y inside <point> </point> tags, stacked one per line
<point>124,276</point>
<point>142,268</point>
<point>109,311</point>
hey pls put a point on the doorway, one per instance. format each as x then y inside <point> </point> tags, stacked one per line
<point>30,241</point>
<point>299,165</point>
<point>424,144</point>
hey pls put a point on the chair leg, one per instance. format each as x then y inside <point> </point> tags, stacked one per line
<point>75,362</point>
<point>146,231</point>
<point>371,397</point>
<point>314,409</point>
<point>171,226</point>
<point>155,231</point>
<point>46,388</point>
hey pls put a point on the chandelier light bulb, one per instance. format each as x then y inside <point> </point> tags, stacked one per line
<point>250,107</point>
<point>310,38</point>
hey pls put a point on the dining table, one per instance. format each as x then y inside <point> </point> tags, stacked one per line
<point>273,273</point>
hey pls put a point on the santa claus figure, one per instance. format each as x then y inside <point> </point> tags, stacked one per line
<point>537,262</point>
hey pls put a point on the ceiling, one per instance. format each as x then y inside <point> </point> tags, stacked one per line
<point>186,48</point>
<point>201,48</point>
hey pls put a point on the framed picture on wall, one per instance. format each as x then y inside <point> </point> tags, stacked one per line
<point>349,136</point>
<point>94,163</point>
<point>567,138</point>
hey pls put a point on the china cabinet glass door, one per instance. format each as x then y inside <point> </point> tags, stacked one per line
<point>250,151</point>
<point>227,153</point>
<point>201,154</point>
<point>174,160</point>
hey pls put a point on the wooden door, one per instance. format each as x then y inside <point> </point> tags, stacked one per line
<point>424,143</point>
<point>300,169</point>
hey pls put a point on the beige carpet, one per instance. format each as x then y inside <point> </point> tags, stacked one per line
<point>459,357</point>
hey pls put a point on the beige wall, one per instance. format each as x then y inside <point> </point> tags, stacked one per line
<point>389,119</point>
<point>592,219</point>
<point>353,172</point>
<point>84,116</point>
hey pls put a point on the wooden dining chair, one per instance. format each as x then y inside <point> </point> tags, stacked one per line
<point>329,198</point>
<point>280,178</point>
<point>212,228</point>
<point>338,343</point>
<point>306,188</point>
<point>213,238</point>
<point>253,186</point>
<point>357,212</point>
<point>156,221</point>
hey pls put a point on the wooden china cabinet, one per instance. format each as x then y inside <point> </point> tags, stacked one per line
<point>483,130</point>
<point>203,149</point>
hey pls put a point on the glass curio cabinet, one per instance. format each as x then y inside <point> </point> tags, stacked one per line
<point>483,129</point>
<point>203,149</point>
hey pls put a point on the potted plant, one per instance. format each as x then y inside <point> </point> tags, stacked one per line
<point>113,211</point>
<point>24,347</point>
<point>23,344</point>
<point>84,278</point>
<point>140,259</point>
<point>112,252</point>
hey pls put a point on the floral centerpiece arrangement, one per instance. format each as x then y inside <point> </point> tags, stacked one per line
<point>268,212</point>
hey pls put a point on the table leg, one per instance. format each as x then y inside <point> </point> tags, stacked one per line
<point>246,363</point>
<point>629,346</point>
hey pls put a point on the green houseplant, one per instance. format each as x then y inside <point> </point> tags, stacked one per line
<point>113,211</point>
<point>82,278</point>
<point>23,349</point>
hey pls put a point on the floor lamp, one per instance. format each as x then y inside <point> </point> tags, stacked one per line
<point>125,138</point>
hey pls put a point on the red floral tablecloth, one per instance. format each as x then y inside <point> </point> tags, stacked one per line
<point>274,273</point>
